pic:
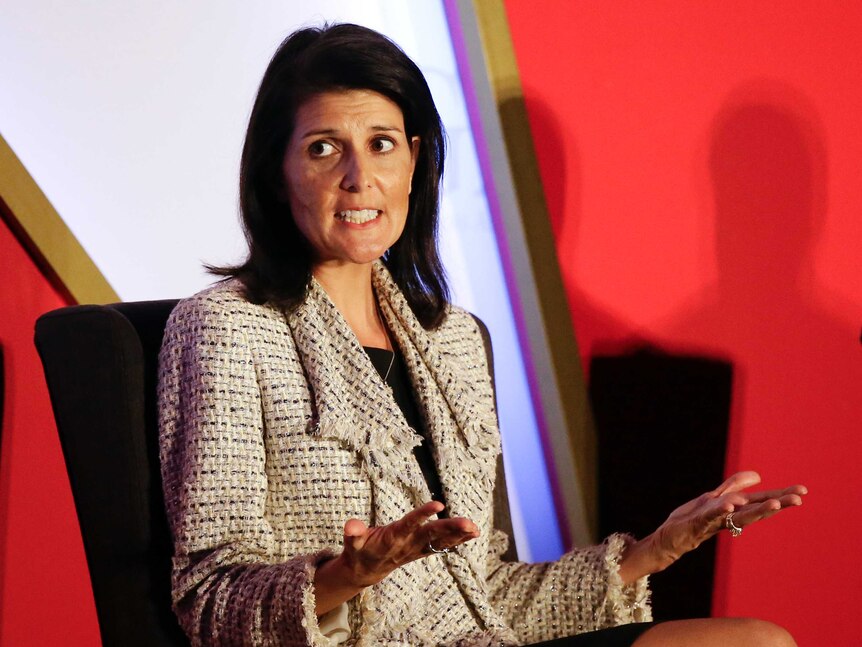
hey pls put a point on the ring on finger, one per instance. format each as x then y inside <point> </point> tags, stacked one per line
<point>441,551</point>
<point>735,531</point>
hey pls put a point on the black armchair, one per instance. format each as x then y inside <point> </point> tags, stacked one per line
<point>100,364</point>
<point>101,367</point>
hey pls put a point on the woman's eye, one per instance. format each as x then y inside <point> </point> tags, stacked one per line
<point>382,145</point>
<point>321,149</point>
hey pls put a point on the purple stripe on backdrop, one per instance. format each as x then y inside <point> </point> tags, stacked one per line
<point>459,45</point>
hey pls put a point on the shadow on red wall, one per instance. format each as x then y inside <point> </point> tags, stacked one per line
<point>644,399</point>
<point>763,178</point>
<point>798,369</point>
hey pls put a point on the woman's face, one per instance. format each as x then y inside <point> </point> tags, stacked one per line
<point>347,171</point>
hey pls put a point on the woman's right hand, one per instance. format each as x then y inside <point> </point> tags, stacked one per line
<point>372,553</point>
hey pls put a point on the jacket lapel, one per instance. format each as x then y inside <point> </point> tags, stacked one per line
<point>465,438</point>
<point>463,430</point>
<point>354,406</point>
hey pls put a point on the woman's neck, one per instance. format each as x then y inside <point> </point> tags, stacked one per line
<point>349,288</point>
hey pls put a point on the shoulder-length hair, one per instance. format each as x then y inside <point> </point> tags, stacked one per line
<point>334,58</point>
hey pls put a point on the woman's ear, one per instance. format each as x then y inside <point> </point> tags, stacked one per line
<point>414,155</point>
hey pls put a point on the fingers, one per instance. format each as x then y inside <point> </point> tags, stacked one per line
<point>760,506</point>
<point>371,553</point>
<point>354,534</point>
<point>731,497</point>
<point>742,480</point>
<point>797,491</point>
<point>737,482</point>
<point>756,512</point>
<point>779,498</point>
<point>747,507</point>
<point>418,516</point>
<point>354,528</point>
<point>790,500</point>
<point>439,533</point>
<point>449,533</point>
<point>409,537</point>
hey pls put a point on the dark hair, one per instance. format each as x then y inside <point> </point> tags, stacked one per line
<point>311,61</point>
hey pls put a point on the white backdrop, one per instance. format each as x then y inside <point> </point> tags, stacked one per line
<point>130,116</point>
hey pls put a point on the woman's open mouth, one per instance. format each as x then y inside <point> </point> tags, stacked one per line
<point>358,216</point>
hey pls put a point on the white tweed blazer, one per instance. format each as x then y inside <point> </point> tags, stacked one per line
<point>276,429</point>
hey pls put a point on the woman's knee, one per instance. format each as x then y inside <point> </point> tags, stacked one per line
<point>716,632</point>
<point>765,634</point>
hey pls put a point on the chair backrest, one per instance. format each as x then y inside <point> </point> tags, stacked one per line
<point>101,368</point>
<point>100,364</point>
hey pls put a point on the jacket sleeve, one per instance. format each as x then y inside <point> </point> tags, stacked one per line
<point>582,591</point>
<point>231,585</point>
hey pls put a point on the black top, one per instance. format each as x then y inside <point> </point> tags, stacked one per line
<point>398,380</point>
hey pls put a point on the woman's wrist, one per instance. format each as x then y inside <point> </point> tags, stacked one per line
<point>334,584</point>
<point>642,557</point>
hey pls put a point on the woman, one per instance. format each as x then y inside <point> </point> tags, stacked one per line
<point>311,504</point>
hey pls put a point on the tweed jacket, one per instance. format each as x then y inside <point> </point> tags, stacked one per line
<point>276,429</point>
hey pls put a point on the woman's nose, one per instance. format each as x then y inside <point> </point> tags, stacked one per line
<point>357,173</point>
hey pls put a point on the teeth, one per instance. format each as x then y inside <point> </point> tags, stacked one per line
<point>358,216</point>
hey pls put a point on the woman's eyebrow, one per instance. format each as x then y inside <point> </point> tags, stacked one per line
<point>320,131</point>
<point>329,132</point>
<point>387,129</point>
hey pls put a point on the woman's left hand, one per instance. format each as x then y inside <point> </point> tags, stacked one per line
<point>696,521</point>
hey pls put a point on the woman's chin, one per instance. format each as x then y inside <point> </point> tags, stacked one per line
<point>353,260</point>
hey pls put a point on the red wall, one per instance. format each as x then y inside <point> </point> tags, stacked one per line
<point>701,163</point>
<point>45,594</point>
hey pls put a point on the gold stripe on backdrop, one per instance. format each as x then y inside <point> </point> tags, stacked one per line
<point>562,354</point>
<point>32,218</point>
